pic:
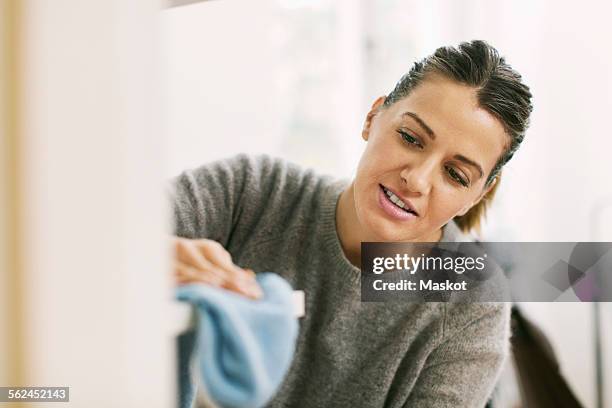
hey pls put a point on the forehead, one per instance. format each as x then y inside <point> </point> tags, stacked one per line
<point>451,110</point>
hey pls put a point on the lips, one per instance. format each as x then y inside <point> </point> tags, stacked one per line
<point>398,200</point>
<point>391,209</point>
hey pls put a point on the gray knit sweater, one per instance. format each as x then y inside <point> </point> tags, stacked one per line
<point>272,215</point>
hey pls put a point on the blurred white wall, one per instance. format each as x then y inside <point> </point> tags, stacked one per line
<point>220,93</point>
<point>295,78</point>
<point>279,77</point>
<point>96,292</point>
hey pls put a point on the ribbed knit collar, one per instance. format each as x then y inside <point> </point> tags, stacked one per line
<point>331,240</point>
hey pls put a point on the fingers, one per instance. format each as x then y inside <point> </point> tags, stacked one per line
<point>221,258</point>
<point>187,253</point>
<point>187,274</point>
<point>206,261</point>
<point>236,278</point>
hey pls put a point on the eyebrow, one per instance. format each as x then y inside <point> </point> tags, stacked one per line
<point>432,135</point>
<point>470,162</point>
<point>422,123</point>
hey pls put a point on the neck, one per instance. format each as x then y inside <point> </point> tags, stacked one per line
<point>351,233</point>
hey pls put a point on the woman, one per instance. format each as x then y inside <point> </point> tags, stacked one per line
<point>435,148</point>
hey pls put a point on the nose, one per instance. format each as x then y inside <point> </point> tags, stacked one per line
<point>418,178</point>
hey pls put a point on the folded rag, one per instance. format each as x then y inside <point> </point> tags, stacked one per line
<point>243,347</point>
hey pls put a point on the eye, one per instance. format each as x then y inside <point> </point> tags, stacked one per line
<point>454,174</point>
<point>410,139</point>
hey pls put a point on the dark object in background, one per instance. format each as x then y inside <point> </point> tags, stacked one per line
<point>540,381</point>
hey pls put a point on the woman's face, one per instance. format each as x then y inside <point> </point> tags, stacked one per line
<point>433,150</point>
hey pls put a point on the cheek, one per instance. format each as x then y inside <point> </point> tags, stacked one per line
<point>367,170</point>
<point>379,157</point>
<point>447,202</point>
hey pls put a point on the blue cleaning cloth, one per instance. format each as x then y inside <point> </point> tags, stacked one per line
<point>244,347</point>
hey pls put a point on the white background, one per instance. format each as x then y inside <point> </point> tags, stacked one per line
<point>90,298</point>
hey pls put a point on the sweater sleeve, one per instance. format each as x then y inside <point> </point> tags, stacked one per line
<point>239,199</point>
<point>463,369</point>
<point>205,201</point>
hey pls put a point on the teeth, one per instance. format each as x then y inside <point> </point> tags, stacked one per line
<point>396,200</point>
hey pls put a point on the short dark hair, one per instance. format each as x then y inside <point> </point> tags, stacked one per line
<point>500,89</point>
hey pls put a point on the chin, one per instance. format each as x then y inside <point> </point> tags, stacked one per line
<point>383,230</point>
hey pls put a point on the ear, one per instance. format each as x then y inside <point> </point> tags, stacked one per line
<point>365,132</point>
<point>484,192</point>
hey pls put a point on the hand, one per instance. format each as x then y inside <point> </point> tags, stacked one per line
<point>206,261</point>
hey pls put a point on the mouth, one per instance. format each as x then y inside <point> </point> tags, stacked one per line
<point>398,203</point>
